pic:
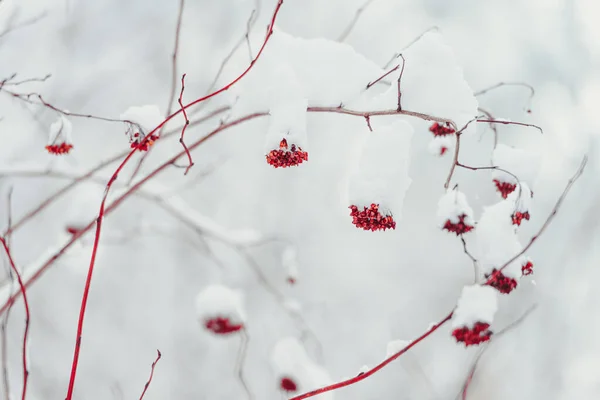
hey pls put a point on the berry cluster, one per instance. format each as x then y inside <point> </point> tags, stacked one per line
<point>441,130</point>
<point>370,219</point>
<point>476,335</point>
<point>504,188</point>
<point>284,157</point>
<point>518,217</point>
<point>222,326</point>
<point>138,142</point>
<point>501,282</point>
<point>527,268</point>
<point>288,385</point>
<point>460,227</point>
<point>59,149</point>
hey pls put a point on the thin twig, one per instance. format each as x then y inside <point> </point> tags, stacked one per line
<point>185,125</point>
<point>344,35</point>
<point>27,316</point>
<point>399,79</point>
<point>158,356</point>
<point>239,364</point>
<point>499,121</point>
<point>514,324</point>
<point>5,317</point>
<point>475,263</point>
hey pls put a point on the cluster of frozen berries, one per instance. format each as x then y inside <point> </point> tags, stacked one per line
<point>286,156</point>
<point>371,219</point>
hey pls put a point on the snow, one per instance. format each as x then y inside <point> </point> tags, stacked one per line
<point>241,237</point>
<point>148,116</point>
<point>220,301</point>
<point>497,240</point>
<point>289,359</point>
<point>476,304</point>
<point>440,142</point>
<point>519,162</point>
<point>432,83</point>
<point>60,131</point>
<point>452,205</point>
<point>521,198</point>
<point>289,260</point>
<point>395,346</point>
<point>329,72</point>
<point>381,174</point>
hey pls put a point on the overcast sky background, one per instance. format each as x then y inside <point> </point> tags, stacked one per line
<point>357,290</point>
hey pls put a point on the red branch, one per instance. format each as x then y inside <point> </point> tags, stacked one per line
<point>151,374</point>
<point>187,122</point>
<point>27,316</point>
<point>370,372</point>
<point>111,181</point>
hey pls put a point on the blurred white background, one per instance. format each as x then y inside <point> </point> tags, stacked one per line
<point>357,290</point>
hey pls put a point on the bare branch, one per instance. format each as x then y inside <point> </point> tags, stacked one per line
<point>344,35</point>
<point>158,356</point>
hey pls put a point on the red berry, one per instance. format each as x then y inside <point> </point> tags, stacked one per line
<point>222,326</point>
<point>459,228</point>
<point>476,335</point>
<point>371,219</point>
<point>501,282</point>
<point>288,385</point>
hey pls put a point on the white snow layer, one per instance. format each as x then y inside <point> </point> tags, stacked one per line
<point>477,303</point>
<point>289,359</point>
<point>442,142</point>
<point>521,163</point>
<point>497,240</point>
<point>60,131</point>
<point>451,206</point>
<point>220,301</point>
<point>381,174</point>
<point>148,116</point>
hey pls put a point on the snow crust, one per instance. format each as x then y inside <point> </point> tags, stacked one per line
<point>477,303</point>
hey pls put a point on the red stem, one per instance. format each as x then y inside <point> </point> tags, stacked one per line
<point>151,374</point>
<point>112,180</point>
<point>27,316</point>
<point>370,372</point>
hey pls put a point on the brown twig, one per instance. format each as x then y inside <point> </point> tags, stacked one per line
<point>185,125</point>
<point>499,121</point>
<point>501,84</point>
<point>494,128</point>
<point>158,356</point>
<point>27,316</point>
<point>399,79</point>
<point>239,364</point>
<point>475,263</point>
<point>344,35</point>
<point>382,76</point>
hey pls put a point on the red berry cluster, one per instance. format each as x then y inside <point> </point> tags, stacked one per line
<point>137,141</point>
<point>283,157</point>
<point>222,326</point>
<point>460,227</point>
<point>478,334</point>
<point>288,385</point>
<point>504,188</point>
<point>501,282</point>
<point>441,130</point>
<point>527,268</point>
<point>59,149</point>
<point>519,216</point>
<point>370,219</point>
